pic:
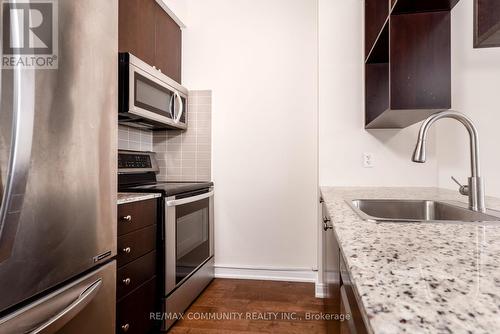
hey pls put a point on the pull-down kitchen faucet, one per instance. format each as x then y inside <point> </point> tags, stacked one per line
<point>475,188</point>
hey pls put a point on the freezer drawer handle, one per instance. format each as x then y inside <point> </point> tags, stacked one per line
<point>59,320</point>
<point>75,299</point>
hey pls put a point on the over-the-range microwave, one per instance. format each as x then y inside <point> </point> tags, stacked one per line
<point>149,98</point>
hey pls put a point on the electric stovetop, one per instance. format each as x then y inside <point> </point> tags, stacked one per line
<point>170,188</point>
<point>137,172</point>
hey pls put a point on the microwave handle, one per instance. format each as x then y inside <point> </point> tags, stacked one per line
<point>188,200</point>
<point>171,109</point>
<point>181,107</point>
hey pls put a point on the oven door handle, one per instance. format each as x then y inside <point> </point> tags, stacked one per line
<point>188,200</point>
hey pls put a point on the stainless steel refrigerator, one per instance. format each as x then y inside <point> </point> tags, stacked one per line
<point>58,130</point>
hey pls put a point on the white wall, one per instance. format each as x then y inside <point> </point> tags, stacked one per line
<point>259,57</point>
<point>475,91</point>
<point>177,9</point>
<point>343,139</point>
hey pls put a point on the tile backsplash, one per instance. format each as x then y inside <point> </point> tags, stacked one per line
<point>182,155</point>
<point>187,155</point>
<point>134,139</point>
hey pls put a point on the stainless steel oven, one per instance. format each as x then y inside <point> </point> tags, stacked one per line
<point>188,235</point>
<point>148,98</point>
<point>189,248</point>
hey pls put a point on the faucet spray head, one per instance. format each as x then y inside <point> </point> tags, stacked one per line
<point>419,154</point>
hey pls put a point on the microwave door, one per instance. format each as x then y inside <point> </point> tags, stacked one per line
<point>150,98</point>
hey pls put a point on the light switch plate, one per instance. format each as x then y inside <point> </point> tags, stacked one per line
<point>368,160</point>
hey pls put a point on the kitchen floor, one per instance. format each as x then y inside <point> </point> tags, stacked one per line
<point>254,307</point>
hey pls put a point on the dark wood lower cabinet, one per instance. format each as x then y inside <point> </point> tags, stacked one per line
<point>135,216</point>
<point>340,295</point>
<point>137,290</point>
<point>355,324</point>
<point>134,311</point>
<point>134,274</point>
<point>136,244</point>
<point>331,278</point>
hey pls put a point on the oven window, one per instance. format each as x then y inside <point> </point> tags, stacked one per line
<point>152,97</point>
<point>192,229</point>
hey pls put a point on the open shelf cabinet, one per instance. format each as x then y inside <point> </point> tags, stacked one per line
<point>486,23</point>
<point>408,64</point>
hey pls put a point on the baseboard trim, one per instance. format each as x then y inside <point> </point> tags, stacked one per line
<point>268,274</point>
<point>320,290</point>
<point>273,274</point>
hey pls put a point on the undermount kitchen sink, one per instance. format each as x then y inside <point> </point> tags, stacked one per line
<point>395,210</point>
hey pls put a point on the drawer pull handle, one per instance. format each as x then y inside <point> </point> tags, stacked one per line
<point>127,250</point>
<point>127,218</point>
<point>127,281</point>
<point>125,327</point>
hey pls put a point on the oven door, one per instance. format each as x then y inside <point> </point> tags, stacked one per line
<point>189,235</point>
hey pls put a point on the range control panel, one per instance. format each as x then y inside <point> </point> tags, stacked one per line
<point>134,160</point>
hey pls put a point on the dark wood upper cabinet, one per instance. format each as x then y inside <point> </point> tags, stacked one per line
<point>420,61</point>
<point>378,10</point>
<point>419,6</point>
<point>168,45</point>
<point>408,65</point>
<point>486,23</point>
<point>136,32</point>
<point>149,33</point>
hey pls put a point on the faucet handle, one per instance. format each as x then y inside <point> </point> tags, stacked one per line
<point>464,190</point>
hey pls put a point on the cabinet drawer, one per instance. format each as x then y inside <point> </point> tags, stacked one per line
<point>133,312</point>
<point>136,215</point>
<point>135,273</point>
<point>133,245</point>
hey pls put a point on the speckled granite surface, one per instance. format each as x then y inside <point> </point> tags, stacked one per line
<point>135,197</point>
<point>420,278</point>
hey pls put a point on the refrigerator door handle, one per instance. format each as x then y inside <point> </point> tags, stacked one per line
<point>62,318</point>
<point>21,141</point>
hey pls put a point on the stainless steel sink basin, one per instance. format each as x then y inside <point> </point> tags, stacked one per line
<point>380,210</point>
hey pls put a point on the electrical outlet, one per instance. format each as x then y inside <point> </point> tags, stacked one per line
<point>368,160</point>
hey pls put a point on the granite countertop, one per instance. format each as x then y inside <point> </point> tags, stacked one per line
<point>135,197</point>
<point>420,277</point>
